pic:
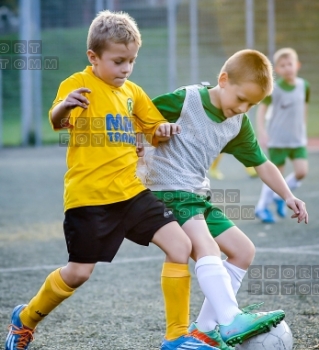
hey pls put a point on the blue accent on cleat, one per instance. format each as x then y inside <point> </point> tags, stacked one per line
<point>19,337</point>
<point>185,342</point>
<point>265,215</point>
<point>281,207</point>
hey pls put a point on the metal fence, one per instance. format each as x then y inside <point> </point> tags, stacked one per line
<point>184,42</point>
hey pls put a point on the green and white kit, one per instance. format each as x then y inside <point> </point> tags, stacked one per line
<point>286,127</point>
<point>181,164</point>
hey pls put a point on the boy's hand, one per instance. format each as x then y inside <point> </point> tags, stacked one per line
<point>164,131</point>
<point>140,151</point>
<point>76,99</point>
<point>139,145</point>
<point>299,209</point>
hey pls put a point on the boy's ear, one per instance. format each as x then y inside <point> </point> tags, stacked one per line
<point>223,79</point>
<point>92,57</point>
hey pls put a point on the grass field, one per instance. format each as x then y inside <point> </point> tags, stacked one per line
<point>121,307</point>
<point>151,72</point>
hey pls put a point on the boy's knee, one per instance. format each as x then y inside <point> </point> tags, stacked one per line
<point>182,253</point>
<point>186,247</point>
<point>246,256</point>
<point>301,174</point>
<point>83,276</point>
<point>206,247</point>
<point>78,275</point>
<point>250,255</point>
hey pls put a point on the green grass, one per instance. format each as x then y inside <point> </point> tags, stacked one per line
<point>150,72</point>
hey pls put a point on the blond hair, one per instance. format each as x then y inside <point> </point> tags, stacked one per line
<point>284,53</point>
<point>116,27</point>
<point>249,66</point>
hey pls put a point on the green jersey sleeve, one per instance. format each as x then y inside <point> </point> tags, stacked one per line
<point>245,147</point>
<point>170,105</point>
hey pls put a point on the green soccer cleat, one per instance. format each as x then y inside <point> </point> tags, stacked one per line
<point>251,307</point>
<point>212,338</point>
<point>247,325</point>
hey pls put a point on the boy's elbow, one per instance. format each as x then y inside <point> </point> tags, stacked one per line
<point>56,126</point>
<point>53,121</point>
<point>263,167</point>
<point>58,123</point>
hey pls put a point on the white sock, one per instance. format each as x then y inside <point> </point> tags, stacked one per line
<point>292,183</point>
<point>266,197</point>
<point>236,275</point>
<point>215,283</point>
<point>206,320</point>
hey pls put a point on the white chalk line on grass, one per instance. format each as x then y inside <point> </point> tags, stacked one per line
<point>50,267</point>
<point>295,251</point>
<point>300,250</point>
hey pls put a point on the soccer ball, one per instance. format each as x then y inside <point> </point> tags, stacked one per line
<point>278,338</point>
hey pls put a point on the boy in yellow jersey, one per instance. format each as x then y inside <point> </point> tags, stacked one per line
<point>104,200</point>
<point>214,120</point>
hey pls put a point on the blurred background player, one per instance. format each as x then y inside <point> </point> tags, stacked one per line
<point>286,134</point>
<point>215,173</point>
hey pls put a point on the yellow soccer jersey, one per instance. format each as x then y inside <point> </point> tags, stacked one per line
<point>101,155</point>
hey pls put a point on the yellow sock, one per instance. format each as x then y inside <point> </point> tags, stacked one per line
<point>51,294</point>
<point>251,172</point>
<point>216,162</point>
<point>176,284</point>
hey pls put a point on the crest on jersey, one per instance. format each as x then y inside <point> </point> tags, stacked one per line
<point>130,106</point>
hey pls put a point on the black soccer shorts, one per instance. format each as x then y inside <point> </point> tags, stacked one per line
<point>95,233</point>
